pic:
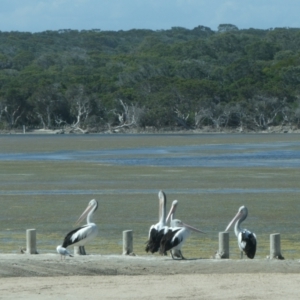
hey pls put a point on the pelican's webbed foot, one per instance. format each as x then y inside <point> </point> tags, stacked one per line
<point>177,255</point>
<point>181,254</point>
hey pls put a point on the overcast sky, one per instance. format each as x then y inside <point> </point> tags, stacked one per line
<point>41,15</point>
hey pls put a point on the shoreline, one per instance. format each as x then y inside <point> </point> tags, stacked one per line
<point>50,265</point>
<point>204,130</point>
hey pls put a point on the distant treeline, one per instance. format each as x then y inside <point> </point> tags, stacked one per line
<point>99,80</point>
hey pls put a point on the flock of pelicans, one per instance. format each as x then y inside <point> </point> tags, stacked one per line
<point>161,238</point>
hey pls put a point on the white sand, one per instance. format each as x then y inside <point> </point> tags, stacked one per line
<point>146,277</point>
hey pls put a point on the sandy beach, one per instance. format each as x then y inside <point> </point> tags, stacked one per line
<point>45,276</point>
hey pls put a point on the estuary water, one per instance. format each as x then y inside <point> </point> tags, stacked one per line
<point>274,155</point>
<point>46,182</point>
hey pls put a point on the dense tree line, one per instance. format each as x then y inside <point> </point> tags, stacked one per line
<point>179,78</point>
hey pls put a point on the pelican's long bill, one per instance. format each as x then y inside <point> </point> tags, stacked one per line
<point>84,214</point>
<point>237,216</point>
<point>192,228</point>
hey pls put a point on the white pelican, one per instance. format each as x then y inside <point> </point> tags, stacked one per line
<point>63,252</point>
<point>157,231</point>
<point>246,239</point>
<point>175,237</point>
<point>82,235</point>
<point>175,252</point>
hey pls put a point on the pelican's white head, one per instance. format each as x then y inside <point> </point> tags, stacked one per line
<point>179,223</point>
<point>91,208</point>
<point>241,215</point>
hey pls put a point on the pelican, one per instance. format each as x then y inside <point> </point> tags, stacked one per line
<point>175,237</point>
<point>175,252</point>
<point>84,234</point>
<point>63,252</point>
<point>171,214</point>
<point>157,231</point>
<point>246,239</point>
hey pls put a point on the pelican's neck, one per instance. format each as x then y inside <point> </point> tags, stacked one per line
<point>90,216</point>
<point>173,215</point>
<point>237,227</point>
<point>162,212</point>
<point>173,211</point>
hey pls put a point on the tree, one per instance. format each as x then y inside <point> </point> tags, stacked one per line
<point>266,111</point>
<point>80,107</point>
<point>227,27</point>
<point>172,78</point>
<point>47,103</point>
<point>127,115</point>
<point>15,105</point>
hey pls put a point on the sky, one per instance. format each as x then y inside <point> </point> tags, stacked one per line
<point>42,15</point>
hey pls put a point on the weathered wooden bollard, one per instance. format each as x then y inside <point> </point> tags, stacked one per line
<point>79,250</point>
<point>223,251</point>
<point>31,241</point>
<point>76,250</point>
<point>275,249</point>
<point>127,242</point>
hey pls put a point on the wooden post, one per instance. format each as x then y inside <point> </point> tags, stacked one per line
<point>24,130</point>
<point>31,241</point>
<point>79,250</point>
<point>127,242</point>
<point>76,250</point>
<point>223,245</point>
<point>275,249</point>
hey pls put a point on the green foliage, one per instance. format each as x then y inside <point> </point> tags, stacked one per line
<point>166,73</point>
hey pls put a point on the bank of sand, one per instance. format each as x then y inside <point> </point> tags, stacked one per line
<point>44,276</point>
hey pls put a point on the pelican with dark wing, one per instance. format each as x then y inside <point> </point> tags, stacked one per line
<point>157,231</point>
<point>175,237</point>
<point>246,239</point>
<point>84,234</point>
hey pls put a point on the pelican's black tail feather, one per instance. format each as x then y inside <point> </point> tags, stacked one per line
<point>250,247</point>
<point>154,241</point>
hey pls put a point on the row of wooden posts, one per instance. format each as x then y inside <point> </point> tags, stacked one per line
<point>223,252</point>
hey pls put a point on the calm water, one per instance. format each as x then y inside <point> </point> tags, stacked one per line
<point>46,182</point>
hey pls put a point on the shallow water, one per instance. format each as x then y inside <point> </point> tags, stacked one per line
<point>276,155</point>
<point>47,181</point>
